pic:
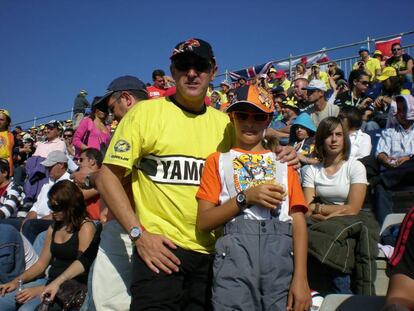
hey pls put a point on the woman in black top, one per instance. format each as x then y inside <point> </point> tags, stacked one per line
<point>70,246</point>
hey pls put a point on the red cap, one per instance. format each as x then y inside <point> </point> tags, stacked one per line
<point>280,74</point>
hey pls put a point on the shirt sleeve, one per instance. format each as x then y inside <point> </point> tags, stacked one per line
<point>80,132</point>
<point>210,185</point>
<point>296,197</point>
<point>308,173</point>
<point>384,144</point>
<point>365,146</point>
<point>358,173</point>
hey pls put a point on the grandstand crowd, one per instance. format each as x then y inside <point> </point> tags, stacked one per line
<point>264,193</point>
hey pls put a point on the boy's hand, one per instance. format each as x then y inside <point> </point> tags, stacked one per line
<point>266,195</point>
<point>299,298</point>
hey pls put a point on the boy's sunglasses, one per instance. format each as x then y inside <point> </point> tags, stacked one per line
<point>198,64</point>
<point>257,116</point>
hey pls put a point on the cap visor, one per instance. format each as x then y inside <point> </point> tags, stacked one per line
<point>233,106</point>
<point>47,163</point>
<point>102,104</point>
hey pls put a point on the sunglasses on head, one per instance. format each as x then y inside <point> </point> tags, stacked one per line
<point>198,64</point>
<point>56,208</point>
<point>257,116</point>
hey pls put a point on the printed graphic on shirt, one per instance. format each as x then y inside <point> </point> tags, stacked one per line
<point>175,170</point>
<point>252,170</point>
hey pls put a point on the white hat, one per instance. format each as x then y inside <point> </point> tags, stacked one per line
<point>55,157</point>
<point>316,85</point>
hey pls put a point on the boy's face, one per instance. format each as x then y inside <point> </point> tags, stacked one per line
<point>250,124</point>
<point>301,133</point>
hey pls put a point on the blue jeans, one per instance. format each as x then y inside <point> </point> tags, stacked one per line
<point>8,301</point>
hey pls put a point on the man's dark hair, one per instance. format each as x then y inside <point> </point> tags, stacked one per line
<point>69,130</point>
<point>394,45</point>
<point>157,72</point>
<point>353,116</point>
<point>5,167</point>
<point>356,74</point>
<point>94,154</point>
<point>137,94</point>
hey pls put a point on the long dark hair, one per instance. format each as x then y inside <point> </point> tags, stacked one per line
<point>70,201</point>
<point>325,128</point>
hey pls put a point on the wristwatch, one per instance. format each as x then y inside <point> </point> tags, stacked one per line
<point>241,201</point>
<point>135,233</point>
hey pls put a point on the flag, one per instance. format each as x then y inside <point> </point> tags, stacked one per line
<point>250,72</point>
<point>385,46</point>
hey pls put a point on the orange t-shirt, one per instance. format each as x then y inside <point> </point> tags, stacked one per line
<point>211,186</point>
<point>93,208</point>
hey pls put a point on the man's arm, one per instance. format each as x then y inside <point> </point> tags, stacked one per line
<point>154,249</point>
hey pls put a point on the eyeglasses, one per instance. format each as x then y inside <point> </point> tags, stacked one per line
<point>111,107</point>
<point>366,83</point>
<point>396,49</point>
<point>198,64</point>
<point>257,116</point>
<point>56,208</point>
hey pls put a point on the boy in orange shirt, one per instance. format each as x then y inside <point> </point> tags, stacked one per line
<point>259,201</point>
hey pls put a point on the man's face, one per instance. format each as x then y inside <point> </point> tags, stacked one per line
<point>314,95</point>
<point>159,82</point>
<point>51,133</point>
<point>272,75</point>
<point>396,50</point>
<point>300,94</point>
<point>363,54</point>
<point>192,75</point>
<point>84,161</point>
<point>214,97</point>
<point>56,171</point>
<point>362,84</point>
<point>68,137</point>
<point>3,122</point>
<point>118,106</point>
<point>242,82</point>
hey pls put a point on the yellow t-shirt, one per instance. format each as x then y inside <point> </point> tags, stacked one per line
<point>5,145</point>
<point>165,147</point>
<point>372,65</point>
<point>285,84</point>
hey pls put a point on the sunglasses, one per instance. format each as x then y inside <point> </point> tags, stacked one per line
<point>366,83</point>
<point>396,49</point>
<point>257,116</point>
<point>331,65</point>
<point>56,208</point>
<point>67,136</point>
<point>198,64</point>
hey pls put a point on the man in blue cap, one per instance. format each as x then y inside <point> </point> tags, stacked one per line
<point>367,64</point>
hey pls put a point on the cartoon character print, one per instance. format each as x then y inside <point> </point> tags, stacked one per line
<point>187,46</point>
<point>252,170</point>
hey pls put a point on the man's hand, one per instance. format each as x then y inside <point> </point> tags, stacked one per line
<point>79,176</point>
<point>287,154</point>
<point>154,251</point>
<point>266,195</point>
<point>28,294</point>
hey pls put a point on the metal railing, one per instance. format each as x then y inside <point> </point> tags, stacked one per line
<point>345,63</point>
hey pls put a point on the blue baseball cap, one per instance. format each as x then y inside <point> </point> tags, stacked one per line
<point>363,48</point>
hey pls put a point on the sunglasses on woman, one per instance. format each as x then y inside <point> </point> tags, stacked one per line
<point>56,208</point>
<point>257,116</point>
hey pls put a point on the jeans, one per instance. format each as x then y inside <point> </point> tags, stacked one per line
<point>8,301</point>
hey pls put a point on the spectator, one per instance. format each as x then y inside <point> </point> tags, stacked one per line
<point>238,200</point>
<point>157,89</point>
<point>215,100</point>
<point>68,139</point>
<point>360,142</point>
<point>336,186</point>
<point>11,194</point>
<point>321,109</point>
<point>371,66</point>
<point>356,97</point>
<point>225,88</point>
<point>6,139</point>
<point>378,55</point>
<point>300,94</point>
<point>302,137</point>
<point>317,74</point>
<point>68,124</point>
<point>300,72</point>
<point>24,151</point>
<point>402,62</point>
<point>168,242</point>
<point>39,217</point>
<point>92,132</point>
<point>335,72</point>
<point>53,141</point>
<point>395,152</point>
<point>278,77</point>
<point>70,247</point>
<point>112,272</point>
<point>241,81</point>
<point>79,107</point>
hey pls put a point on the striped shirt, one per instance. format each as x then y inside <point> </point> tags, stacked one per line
<point>12,199</point>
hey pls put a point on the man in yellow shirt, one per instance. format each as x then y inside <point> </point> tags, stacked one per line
<point>370,65</point>
<point>276,78</point>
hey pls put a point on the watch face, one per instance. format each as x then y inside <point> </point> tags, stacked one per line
<point>135,232</point>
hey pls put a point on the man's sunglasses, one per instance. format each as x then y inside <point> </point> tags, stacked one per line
<point>67,136</point>
<point>198,64</point>
<point>257,116</point>
<point>366,83</point>
<point>56,208</point>
<point>396,49</point>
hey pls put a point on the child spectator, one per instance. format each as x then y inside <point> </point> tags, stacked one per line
<point>245,190</point>
<point>302,139</point>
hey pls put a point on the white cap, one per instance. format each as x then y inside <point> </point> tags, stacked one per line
<point>316,85</point>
